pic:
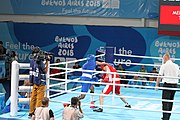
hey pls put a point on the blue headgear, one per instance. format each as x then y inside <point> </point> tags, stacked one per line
<point>91,57</point>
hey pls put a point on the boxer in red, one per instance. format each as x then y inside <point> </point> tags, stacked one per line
<point>109,78</point>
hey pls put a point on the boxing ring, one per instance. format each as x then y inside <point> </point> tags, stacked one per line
<point>144,100</point>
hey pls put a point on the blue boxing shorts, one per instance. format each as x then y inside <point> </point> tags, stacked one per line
<point>85,86</point>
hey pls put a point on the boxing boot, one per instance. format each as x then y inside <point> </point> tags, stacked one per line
<point>128,106</point>
<point>92,105</point>
<point>98,110</point>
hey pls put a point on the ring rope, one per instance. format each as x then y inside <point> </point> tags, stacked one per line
<point>114,95</point>
<point>138,56</point>
<point>121,73</point>
<point>146,81</point>
<point>153,65</point>
<point>61,92</point>
<point>129,96</point>
<point>143,86</point>
<point>164,88</point>
<point>74,80</point>
<point>108,106</point>
<point>70,71</point>
<point>63,81</point>
<point>75,60</point>
<point>135,74</point>
<point>80,70</point>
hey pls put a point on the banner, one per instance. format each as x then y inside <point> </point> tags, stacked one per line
<point>71,42</point>
<point>96,8</point>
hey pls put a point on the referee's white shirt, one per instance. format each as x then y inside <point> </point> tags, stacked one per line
<point>169,69</point>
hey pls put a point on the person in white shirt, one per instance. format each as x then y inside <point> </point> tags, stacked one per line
<point>168,69</point>
<point>74,111</point>
<point>43,113</point>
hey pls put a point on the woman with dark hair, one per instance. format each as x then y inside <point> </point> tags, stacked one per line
<point>13,56</point>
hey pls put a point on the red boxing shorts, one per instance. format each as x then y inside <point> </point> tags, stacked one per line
<point>109,88</point>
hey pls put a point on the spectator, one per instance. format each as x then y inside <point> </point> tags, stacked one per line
<point>155,72</point>
<point>2,48</point>
<point>9,58</point>
<point>13,56</point>
<point>26,94</point>
<point>54,70</point>
<point>57,71</point>
<point>119,69</point>
<point>71,112</point>
<point>151,82</point>
<point>76,73</point>
<point>76,66</point>
<point>62,76</point>
<point>43,112</point>
<point>135,81</point>
<point>60,65</point>
<point>143,70</point>
<point>143,77</point>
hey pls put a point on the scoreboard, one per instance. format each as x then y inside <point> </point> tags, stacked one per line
<point>169,17</point>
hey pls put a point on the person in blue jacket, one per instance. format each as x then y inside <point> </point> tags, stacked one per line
<point>151,83</point>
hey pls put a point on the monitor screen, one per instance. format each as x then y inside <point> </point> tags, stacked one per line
<point>169,18</point>
<point>170,15</point>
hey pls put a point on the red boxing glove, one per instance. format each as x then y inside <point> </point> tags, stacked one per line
<point>106,79</point>
<point>103,76</point>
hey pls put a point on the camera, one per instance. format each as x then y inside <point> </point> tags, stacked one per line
<point>40,55</point>
<point>43,55</point>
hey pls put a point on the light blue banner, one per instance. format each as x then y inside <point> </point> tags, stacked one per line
<point>96,8</point>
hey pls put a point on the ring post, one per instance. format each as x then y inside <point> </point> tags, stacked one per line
<point>99,52</point>
<point>66,78</point>
<point>14,88</point>
<point>48,80</point>
<point>114,78</point>
<point>109,56</point>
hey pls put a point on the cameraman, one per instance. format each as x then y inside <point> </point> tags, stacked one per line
<point>37,76</point>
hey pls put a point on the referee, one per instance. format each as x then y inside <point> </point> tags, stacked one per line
<point>169,69</point>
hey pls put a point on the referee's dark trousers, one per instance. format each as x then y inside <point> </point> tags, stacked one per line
<point>168,95</point>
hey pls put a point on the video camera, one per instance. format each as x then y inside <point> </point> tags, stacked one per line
<point>41,55</point>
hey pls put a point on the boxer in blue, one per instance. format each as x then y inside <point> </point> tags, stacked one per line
<point>87,76</point>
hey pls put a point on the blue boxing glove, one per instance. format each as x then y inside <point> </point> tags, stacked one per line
<point>95,79</point>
